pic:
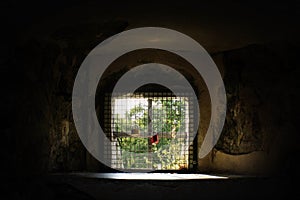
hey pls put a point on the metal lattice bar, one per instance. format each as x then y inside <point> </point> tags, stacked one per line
<point>149,131</point>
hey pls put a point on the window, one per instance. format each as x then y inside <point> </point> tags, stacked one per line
<point>150,130</point>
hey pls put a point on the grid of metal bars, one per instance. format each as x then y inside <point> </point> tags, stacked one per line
<point>149,130</point>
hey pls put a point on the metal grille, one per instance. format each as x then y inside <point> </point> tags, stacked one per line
<point>149,130</point>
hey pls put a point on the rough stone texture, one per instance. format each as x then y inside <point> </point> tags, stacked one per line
<point>260,133</point>
<point>262,91</point>
<point>47,138</point>
<point>259,80</point>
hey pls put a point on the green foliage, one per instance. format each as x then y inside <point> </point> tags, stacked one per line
<point>138,116</point>
<point>132,144</point>
<point>168,115</point>
<point>165,155</point>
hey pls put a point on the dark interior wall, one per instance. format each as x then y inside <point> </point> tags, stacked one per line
<point>260,132</point>
<point>262,95</point>
<point>259,80</point>
<point>39,66</point>
<point>49,70</point>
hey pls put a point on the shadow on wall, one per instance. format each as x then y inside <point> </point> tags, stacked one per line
<point>260,132</point>
<point>260,129</point>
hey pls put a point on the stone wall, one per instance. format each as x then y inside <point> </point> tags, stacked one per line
<point>46,137</point>
<point>259,134</point>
